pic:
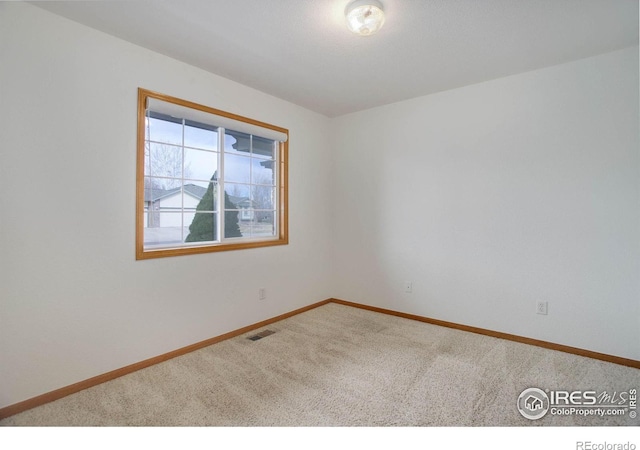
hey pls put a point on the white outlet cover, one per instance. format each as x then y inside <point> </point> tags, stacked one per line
<point>542,308</point>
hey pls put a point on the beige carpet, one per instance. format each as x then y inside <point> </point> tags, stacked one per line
<point>341,366</point>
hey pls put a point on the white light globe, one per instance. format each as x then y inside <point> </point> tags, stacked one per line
<point>364,17</point>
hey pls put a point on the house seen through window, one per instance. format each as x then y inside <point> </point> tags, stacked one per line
<point>207,180</point>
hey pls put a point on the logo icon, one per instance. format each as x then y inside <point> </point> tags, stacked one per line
<point>533,403</point>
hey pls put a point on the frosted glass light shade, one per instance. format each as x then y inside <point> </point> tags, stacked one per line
<point>364,17</point>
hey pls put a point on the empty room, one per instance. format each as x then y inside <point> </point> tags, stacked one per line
<point>327,213</point>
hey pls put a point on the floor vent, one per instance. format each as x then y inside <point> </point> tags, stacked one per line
<point>260,335</point>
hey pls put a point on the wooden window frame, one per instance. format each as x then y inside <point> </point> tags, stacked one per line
<point>282,209</point>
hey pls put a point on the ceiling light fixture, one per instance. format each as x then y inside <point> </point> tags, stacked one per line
<point>364,17</point>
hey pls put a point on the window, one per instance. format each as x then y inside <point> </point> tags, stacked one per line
<point>207,180</point>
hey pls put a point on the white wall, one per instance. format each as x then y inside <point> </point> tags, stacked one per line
<point>498,195</point>
<point>74,302</point>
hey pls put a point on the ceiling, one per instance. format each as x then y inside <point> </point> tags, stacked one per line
<point>301,50</point>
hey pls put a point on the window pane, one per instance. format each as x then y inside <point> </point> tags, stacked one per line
<point>202,227</point>
<point>236,142</point>
<point>200,165</point>
<point>262,171</point>
<point>164,131</point>
<point>237,168</point>
<point>237,206</point>
<point>165,160</point>
<point>232,227</point>
<point>264,224</point>
<point>200,196</point>
<point>157,188</point>
<point>149,191</point>
<point>162,228</point>
<point>263,197</point>
<point>237,196</point>
<point>257,223</point>
<point>262,148</point>
<point>200,137</point>
<point>147,162</point>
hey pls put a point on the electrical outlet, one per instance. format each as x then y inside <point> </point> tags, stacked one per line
<point>262,294</point>
<point>408,287</point>
<point>542,308</point>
